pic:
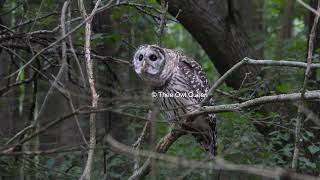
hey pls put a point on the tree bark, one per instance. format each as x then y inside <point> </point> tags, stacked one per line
<point>216,25</point>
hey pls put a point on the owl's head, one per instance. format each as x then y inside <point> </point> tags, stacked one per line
<point>149,63</point>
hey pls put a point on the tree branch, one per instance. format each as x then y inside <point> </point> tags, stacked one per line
<point>86,174</point>
<point>250,61</point>
<point>300,117</point>
<point>309,95</point>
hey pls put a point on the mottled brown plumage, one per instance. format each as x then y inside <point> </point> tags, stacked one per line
<point>179,84</point>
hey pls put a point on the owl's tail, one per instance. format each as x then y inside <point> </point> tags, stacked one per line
<point>204,131</point>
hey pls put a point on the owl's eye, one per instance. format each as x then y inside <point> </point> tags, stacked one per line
<point>153,57</point>
<point>140,57</point>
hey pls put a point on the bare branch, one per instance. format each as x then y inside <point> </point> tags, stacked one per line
<point>137,144</point>
<point>309,95</point>
<point>73,52</point>
<point>86,174</point>
<point>63,67</point>
<point>256,62</point>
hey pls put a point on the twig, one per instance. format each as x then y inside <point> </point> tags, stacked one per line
<point>20,133</point>
<point>6,28</point>
<point>240,99</point>
<point>31,21</point>
<point>10,10</point>
<point>162,24</point>
<point>20,58</point>
<point>42,129</point>
<point>45,152</point>
<point>8,87</point>
<point>137,144</point>
<point>62,38</point>
<point>69,97</point>
<point>73,52</point>
<point>297,137</point>
<point>80,69</point>
<point>117,60</point>
<point>281,63</point>
<point>142,135</point>
<point>149,123</point>
<point>51,124</point>
<point>63,67</point>
<point>222,79</point>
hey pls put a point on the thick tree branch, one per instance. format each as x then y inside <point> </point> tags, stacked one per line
<point>162,147</point>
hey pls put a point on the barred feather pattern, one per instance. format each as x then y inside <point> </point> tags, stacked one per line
<point>188,79</point>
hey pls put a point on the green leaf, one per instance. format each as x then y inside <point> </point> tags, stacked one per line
<point>310,134</point>
<point>283,88</point>
<point>112,38</point>
<point>50,163</point>
<point>287,150</point>
<point>313,149</point>
<point>96,36</point>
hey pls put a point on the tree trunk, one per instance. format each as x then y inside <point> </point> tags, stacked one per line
<point>286,27</point>
<point>216,25</point>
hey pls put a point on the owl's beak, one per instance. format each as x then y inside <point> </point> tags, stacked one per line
<point>144,66</point>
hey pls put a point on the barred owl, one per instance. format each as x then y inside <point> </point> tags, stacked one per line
<point>179,85</point>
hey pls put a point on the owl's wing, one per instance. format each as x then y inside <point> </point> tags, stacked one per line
<point>206,124</point>
<point>194,76</point>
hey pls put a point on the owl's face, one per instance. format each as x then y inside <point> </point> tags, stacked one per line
<point>149,62</point>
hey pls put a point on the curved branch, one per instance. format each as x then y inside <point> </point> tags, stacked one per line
<point>162,147</point>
